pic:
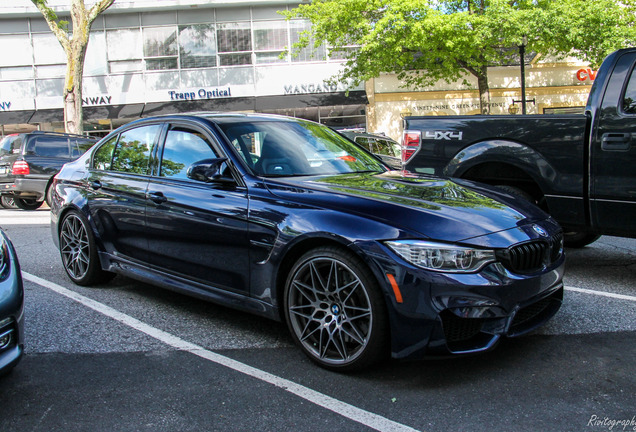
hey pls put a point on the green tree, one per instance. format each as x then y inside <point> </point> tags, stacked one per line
<point>424,41</point>
<point>75,50</point>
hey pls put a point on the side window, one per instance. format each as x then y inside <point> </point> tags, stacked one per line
<point>132,153</point>
<point>629,99</point>
<point>386,147</point>
<point>10,144</point>
<point>183,147</point>
<point>104,155</point>
<point>364,142</point>
<point>51,147</point>
<point>79,147</point>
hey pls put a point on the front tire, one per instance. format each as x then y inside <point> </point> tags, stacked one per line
<point>79,252</point>
<point>335,310</point>
<point>27,203</point>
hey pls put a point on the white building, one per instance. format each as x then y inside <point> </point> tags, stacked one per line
<point>149,57</point>
<point>163,56</point>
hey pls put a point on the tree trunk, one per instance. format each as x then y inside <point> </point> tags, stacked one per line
<point>484,90</point>
<point>75,49</point>
<point>73,112</point>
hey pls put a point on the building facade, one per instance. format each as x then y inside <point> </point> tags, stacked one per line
<point>167,56</point>
<point>552,87</point>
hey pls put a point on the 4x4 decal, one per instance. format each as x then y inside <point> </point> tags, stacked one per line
<point>443,135</point>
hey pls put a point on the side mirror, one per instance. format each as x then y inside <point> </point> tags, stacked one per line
<point>209,171</point>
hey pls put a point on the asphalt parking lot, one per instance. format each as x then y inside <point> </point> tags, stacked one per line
<point>128,356</point>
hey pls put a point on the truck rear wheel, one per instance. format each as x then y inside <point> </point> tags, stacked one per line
<point>27,203</point>
<point>577,239</point>
<point>7,202</point>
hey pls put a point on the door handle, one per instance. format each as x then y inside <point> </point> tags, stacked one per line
<point>616,141</point>
<point>156,197</point>
<point>96,184</point>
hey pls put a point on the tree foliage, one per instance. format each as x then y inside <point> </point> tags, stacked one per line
<point>424,41</point>
<point>75,49</point>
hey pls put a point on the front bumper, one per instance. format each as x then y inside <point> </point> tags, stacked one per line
<point>11,311</point>
<point>440,313</point>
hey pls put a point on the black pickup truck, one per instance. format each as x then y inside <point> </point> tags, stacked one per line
<point>579,168</point>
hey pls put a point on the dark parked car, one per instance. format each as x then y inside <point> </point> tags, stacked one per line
<point>11,306</point>
<point>287,219</point>
<point>382,146</point>
<point>28,162</point>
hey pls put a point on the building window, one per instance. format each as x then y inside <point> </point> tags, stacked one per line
<point>197,46</point>
<point>312,52</point>
<point>342,53</point>
<point>270,40</point>
<point>47,50</point>
<point>16,50</point>
<point>160,48</point>
<point>124,50</point>
<point>234,44</point>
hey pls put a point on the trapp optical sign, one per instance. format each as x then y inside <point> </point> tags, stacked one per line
<point>200,94</point>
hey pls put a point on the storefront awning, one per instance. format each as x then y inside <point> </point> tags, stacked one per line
<point>15,117</point>
<point>132,111</point>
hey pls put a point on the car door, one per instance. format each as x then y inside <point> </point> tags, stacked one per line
<point>116,190</point>
<point>613,152</point>
<point>197,230</point>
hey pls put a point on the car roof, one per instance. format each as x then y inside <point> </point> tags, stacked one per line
<point>221,117</point>
<point>356,133</point>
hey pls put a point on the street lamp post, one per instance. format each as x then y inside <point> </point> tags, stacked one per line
<point>522,55</point>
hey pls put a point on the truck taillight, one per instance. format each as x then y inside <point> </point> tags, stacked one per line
<point>20,168</point>
<point>411,142</point>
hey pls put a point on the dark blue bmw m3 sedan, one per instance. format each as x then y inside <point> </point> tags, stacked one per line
<point>287,219</point>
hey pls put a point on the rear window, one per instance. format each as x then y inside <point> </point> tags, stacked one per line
<point>48,146</point>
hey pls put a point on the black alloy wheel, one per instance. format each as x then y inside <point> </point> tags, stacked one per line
<point>335,310</point>
<point>27,203</point>
<point>7,202</point>
<point>79,253</point>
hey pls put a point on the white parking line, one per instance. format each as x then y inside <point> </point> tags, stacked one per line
<point>601,293</point>
<point>344,409</point>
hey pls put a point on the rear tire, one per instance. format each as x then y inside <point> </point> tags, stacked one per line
<point>519,193</point>
<point>577,239</point>
<point>7,201</point>
<point>47,196</point>
<point>27,203</point>
<point>79,251</point>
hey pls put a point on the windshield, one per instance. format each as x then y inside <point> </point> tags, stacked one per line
<point>292,148</point>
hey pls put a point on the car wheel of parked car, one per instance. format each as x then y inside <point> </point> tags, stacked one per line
<point>573,239</point>
<point>520,193</point>
<point>79,252</point>
<point>577,239</point>
<point>335,310</point>
<point>7,202</point>
<point>47,196</point>
<point>27,203</point>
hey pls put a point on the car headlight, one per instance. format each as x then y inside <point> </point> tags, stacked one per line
<point>442,257</point>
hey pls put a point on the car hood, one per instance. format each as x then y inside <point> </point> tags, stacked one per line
<point>439,208</point>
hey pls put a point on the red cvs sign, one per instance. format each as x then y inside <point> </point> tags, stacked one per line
<point>584,74</point>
